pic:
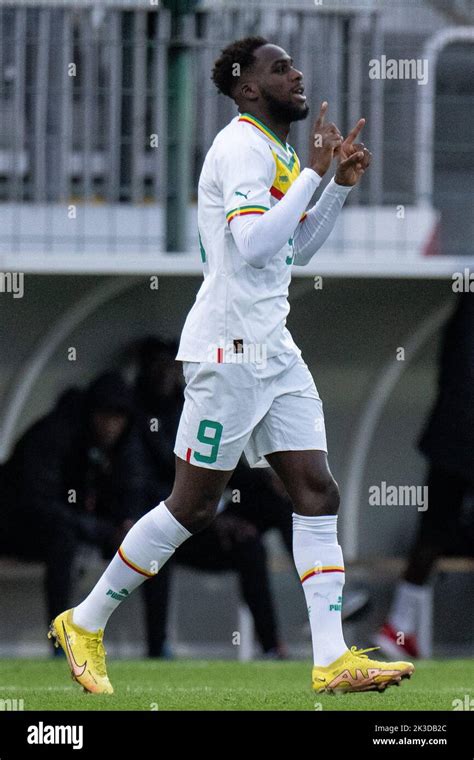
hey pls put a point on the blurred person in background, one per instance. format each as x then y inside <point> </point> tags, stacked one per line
<point>447,526</point>
<point>61,485</point>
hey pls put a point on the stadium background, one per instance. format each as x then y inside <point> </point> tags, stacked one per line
<point>93,164</point>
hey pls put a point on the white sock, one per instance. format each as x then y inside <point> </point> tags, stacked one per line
<point>406,602</point>
<point>318,559</point>
<point>144,551</point>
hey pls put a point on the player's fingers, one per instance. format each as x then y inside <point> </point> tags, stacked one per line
<point>322,113</point>
<point>325,140</point>
<point>356,158</point>
<point>333,142</point>
<point>357,147</point>
<point>367,154</point>
<point>332,129</point>
<point>367,158</point>
<point>355,131</point>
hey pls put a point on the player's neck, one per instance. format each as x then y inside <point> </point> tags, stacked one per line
<point>281,129</point>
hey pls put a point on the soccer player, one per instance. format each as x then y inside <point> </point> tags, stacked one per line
<point>247,387</point>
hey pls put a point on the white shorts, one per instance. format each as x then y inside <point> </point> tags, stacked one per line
<point>256,409</point>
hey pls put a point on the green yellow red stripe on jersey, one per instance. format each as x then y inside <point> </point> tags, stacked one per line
<point>249,119</point>
<point>244,210</point>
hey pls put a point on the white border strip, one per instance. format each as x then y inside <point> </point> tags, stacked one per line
<point>426,110</point>
<point>23,383</point>
<point>362,441</point>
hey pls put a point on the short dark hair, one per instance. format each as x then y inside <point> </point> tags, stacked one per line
<point>241,52</point>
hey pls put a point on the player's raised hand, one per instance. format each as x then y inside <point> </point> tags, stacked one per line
<point>354,158</point>
<point>347,146</point>
<point>325,140</point>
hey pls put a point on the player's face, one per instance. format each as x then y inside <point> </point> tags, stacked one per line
<point>280,84</point>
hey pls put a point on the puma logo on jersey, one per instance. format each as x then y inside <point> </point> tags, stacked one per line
<point>244,195</point>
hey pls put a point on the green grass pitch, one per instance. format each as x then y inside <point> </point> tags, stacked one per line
<point>224,685</point>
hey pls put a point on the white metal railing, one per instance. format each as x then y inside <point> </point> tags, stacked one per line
<point>83,89</point>
<point>75,140</point>
<point>426,110</point>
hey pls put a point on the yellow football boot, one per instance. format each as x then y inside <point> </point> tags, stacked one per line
<point>354,671</point>
<point>84,651</point>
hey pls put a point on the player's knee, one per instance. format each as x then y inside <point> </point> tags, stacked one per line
<point>320,497</point>
<point>203,511</point>
<point>332,497</point>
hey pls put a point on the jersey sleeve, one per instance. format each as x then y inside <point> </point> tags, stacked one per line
<point>318,223</point>
<point>246,175</point>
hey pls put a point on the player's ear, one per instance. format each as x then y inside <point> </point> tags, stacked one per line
<point>249,90</point>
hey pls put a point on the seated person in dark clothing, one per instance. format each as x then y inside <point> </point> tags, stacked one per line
<point>234,540</point>
<point>447,526</point>
<point>61,485</point>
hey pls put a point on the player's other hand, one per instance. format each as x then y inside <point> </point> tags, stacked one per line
<point>354,158</point>
<point>325,140</point>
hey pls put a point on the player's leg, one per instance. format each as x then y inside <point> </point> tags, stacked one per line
<point>196,494</point>
<point>211,434</point>
<point>144,551</point>
<point>319,561</point>
<point>316,551</point>
<point>292,438</point>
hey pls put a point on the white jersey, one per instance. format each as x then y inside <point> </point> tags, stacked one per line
<point>240,310</point>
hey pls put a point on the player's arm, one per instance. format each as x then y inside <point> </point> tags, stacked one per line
<point>313,231</point>
<point>259,235</point>
<point>318,223</point>
<point>258,230</point>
